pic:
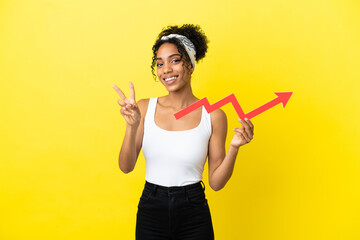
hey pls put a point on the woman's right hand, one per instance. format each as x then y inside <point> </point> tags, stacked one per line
<point>129,109</point>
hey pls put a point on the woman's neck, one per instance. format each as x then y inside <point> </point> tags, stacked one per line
<point>180,99</point>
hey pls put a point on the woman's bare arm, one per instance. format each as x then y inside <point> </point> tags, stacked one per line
<point>133,114</point>
<point>221,166</point>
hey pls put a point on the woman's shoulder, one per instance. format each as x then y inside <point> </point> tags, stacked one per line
<point>143,101</point>
<point>143,105</point>
<point>218,119</point>
<point>218,115</point>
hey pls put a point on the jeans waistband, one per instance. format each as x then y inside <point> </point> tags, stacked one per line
<point>198,185</point>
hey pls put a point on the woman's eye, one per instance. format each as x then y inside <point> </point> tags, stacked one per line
<point>159,64</point>
<point>176,60</point>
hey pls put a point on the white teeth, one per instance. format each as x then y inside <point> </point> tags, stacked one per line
<point>169,79</point>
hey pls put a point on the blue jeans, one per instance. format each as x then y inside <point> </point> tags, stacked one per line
<point>174,213</point>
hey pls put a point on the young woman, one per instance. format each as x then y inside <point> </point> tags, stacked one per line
<point>173,204</point>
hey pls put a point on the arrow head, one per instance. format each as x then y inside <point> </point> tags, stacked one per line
<point>284,97</point>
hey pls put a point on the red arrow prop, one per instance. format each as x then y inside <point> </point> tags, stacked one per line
<point>283,97</point>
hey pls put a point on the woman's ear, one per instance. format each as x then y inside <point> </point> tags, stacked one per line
<point>191,69</point>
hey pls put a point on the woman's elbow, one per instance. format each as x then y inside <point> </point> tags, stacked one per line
<point>126,169</point>
<point>215,187</point>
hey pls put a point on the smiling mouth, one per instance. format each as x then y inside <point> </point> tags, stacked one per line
<point>170,78</point>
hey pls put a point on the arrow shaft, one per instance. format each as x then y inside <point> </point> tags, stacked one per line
<point>263,108</point>
<point>230,99</point>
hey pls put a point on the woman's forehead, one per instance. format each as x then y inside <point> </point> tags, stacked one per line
<point>166,50</point>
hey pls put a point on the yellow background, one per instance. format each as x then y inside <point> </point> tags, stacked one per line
<point>61,130</point>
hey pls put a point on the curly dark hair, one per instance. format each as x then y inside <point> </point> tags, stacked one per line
<point>193,32</point>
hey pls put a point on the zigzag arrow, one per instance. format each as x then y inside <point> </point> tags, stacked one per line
<point>283,97</point>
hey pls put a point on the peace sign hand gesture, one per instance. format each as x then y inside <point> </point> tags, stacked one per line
<point>129,109</point>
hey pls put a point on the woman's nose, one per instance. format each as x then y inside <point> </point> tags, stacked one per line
<point>167,68</point>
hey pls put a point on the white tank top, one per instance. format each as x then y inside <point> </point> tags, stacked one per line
<point>174,158</point>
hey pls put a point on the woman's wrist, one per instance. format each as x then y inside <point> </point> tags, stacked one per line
<point>132,128</point>
<point>234,148</point>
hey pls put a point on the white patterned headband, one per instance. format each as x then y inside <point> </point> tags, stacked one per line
<point>186,43</point>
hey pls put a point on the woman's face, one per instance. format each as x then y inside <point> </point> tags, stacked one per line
<point>171,69</point>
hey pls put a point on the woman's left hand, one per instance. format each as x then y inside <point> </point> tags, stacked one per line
<point>244,134</point>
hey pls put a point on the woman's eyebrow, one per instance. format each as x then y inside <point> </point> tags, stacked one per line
<point>172,55</point>
<point>176,54</point>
